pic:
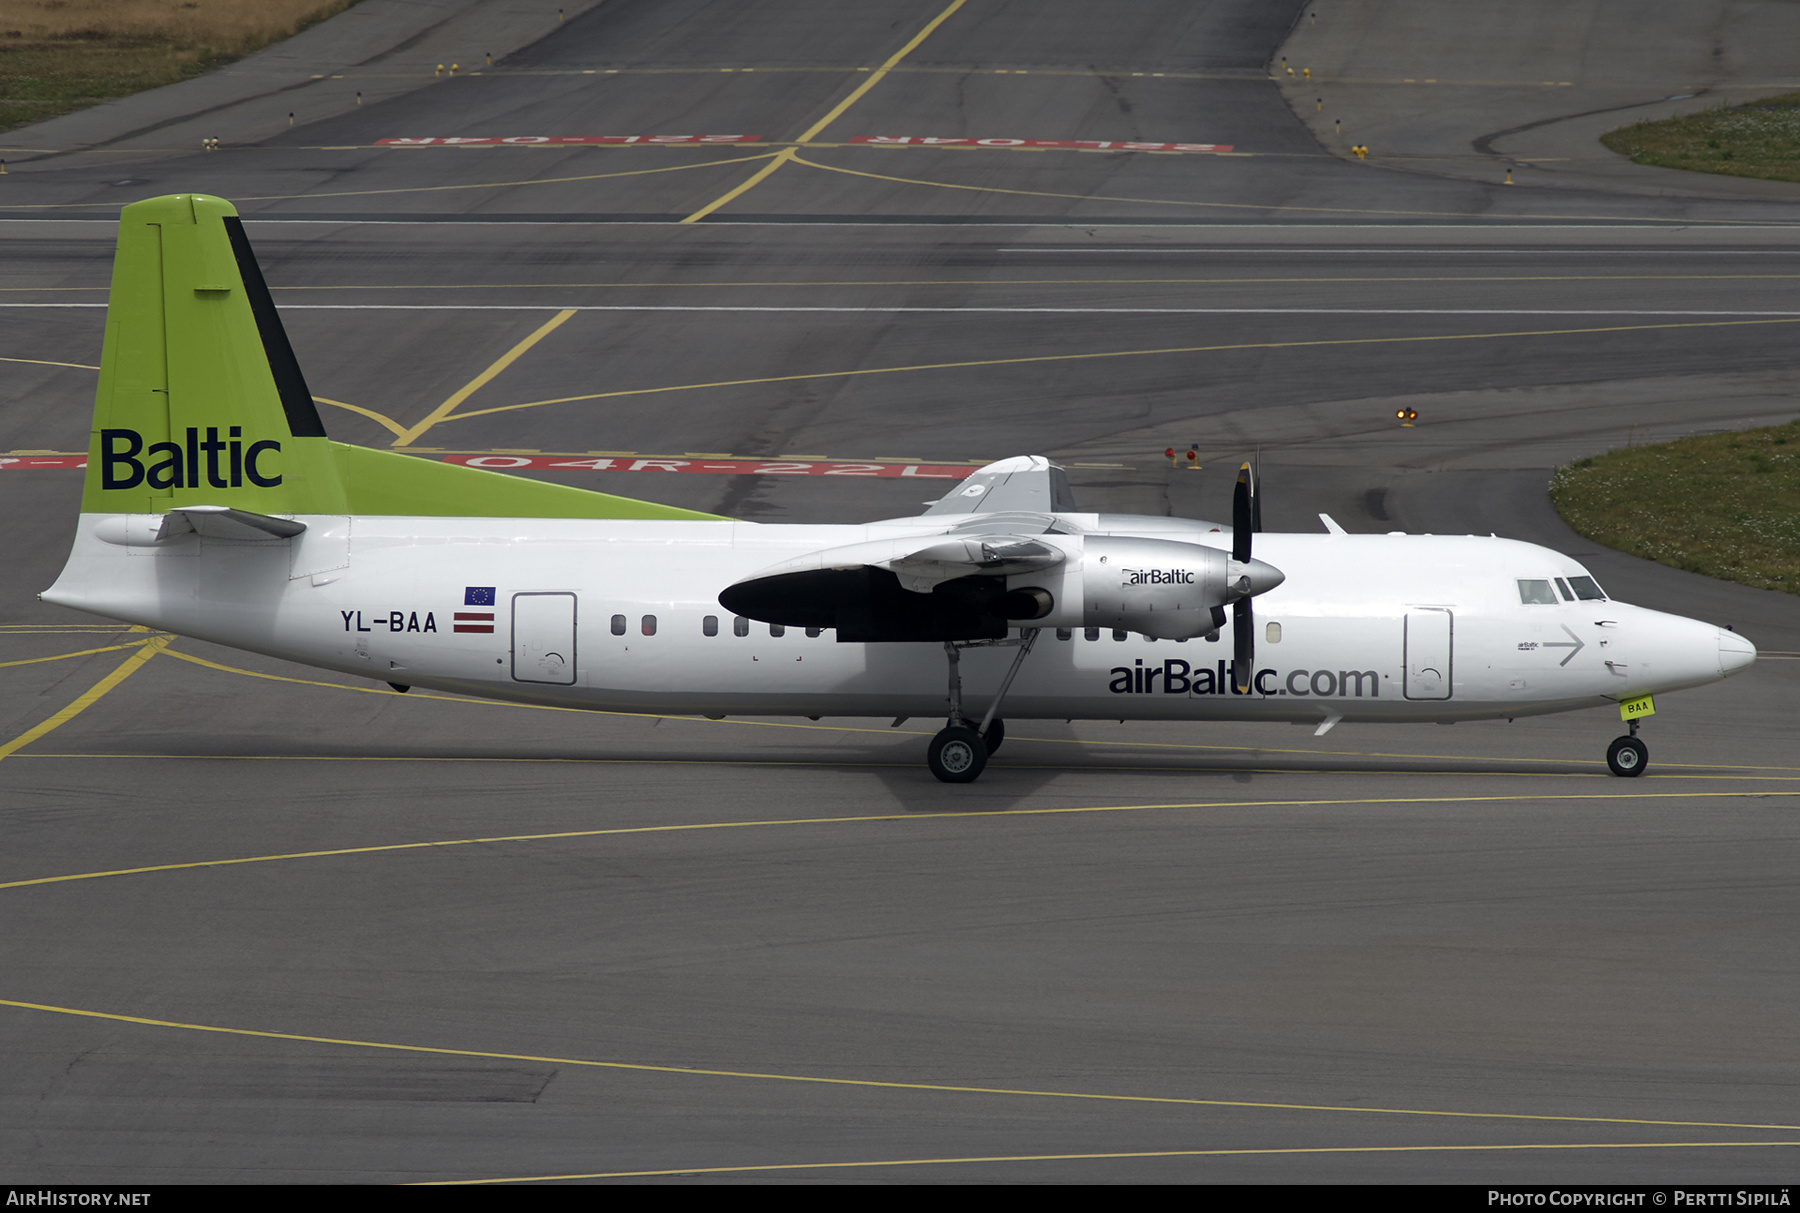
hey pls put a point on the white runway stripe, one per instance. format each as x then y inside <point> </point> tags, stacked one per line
<point>1007,311</point>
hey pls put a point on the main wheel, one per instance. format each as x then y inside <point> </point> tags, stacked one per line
<point>996,733</point>
<point>1627,756</point>
<point>957,755</point>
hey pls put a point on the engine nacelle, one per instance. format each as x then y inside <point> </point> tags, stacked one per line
<point>1157,587</point>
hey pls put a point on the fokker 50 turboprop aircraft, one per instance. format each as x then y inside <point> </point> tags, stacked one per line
<point>215,507</point>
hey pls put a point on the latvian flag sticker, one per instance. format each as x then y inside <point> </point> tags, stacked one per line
<point>476,621</point>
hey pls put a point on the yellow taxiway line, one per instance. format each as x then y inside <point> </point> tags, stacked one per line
<point>1242,1152</point>
<point>125,669</point>
<point>755,178</point>
<point>836,112</point>
<point>130,644</point>
<point>444,411</point>
<point>392,426</point>
<point>893,61</point>
<point>1161,351</point>
<point>1235,206</point>
<point>692,827</point>
<point>948,1088</point>
<point>424,189</point>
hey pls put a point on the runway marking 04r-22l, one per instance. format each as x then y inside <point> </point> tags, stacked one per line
<point>614,463</point>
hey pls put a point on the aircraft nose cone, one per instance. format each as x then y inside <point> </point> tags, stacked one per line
<point>1735,653</point>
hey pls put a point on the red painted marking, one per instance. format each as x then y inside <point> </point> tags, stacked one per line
<point>512,463</point>
<point>18,462</point>
<point>540,140</point>
<point>734,467</point>
<point>478,615</point>
<point>1104,145</point>
<point>473,627</point>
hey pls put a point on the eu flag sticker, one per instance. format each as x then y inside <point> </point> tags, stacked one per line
<point>478,595</point>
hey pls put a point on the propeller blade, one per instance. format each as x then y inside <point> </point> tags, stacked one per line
<point>1255,505</point>
<point>1243,515</point>
<point>1243,640</point>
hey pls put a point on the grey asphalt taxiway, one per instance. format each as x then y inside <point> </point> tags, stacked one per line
<point>266,924</point>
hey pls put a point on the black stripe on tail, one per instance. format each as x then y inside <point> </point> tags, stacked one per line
<point>296,401</point>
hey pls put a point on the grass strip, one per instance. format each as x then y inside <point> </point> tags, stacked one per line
<point>58,56</point>
<point>1756,139</point>
<point>1723,505</point>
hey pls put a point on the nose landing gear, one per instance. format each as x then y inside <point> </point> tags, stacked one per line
<point>960,751</point>
<point>1627,756</point>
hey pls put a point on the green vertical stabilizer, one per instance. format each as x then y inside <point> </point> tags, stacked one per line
<point>201,401</point>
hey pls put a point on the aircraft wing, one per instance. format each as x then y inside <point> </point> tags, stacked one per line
<point>922,562</point>
<point>1024,482</point>
<point>943,586</point>
<point>937,585</point>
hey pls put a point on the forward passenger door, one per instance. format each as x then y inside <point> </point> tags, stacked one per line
<point>1429,641</point>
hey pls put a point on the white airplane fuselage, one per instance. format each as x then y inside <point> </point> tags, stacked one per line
<point>613,615</point>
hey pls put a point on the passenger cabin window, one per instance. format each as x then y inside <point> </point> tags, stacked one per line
<point>776,629</point>
<point>813,633</point>
<point>1536,592</point>
<point>618,625</point>
<point>1120,633</point>
<point>1273,632</point>
<point>1091,633</point>
<point>1587,589</point>
<point>710,625</point>
<point>1064,633</point>
<point>740,626</point>
<point>649,625</point>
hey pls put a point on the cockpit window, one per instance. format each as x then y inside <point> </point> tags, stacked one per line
<point>1534,592</point>
<point>1568,594</point>
<point>1587,589</point>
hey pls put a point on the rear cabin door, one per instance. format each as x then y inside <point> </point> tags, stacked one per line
<point>543,644</point>
<point>1429,632</point>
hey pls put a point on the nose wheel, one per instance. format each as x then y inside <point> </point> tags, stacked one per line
<point>1627,756</point>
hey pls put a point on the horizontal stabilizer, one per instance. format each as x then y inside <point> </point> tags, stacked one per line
<point>224,522</point>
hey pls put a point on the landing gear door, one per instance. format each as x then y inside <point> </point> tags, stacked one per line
<point>543,645</point>
<point>1428,643</point>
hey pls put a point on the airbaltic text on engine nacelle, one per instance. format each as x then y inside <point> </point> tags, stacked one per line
<point>1156,587</point>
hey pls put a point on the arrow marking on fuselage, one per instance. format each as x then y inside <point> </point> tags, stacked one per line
<point>1574,644</point>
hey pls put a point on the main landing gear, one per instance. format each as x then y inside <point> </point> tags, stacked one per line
<point>959,753</point>
<point>1627,756</point>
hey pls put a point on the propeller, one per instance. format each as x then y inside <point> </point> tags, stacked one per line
<point>1249,577</point>
<point>1244,520</point>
